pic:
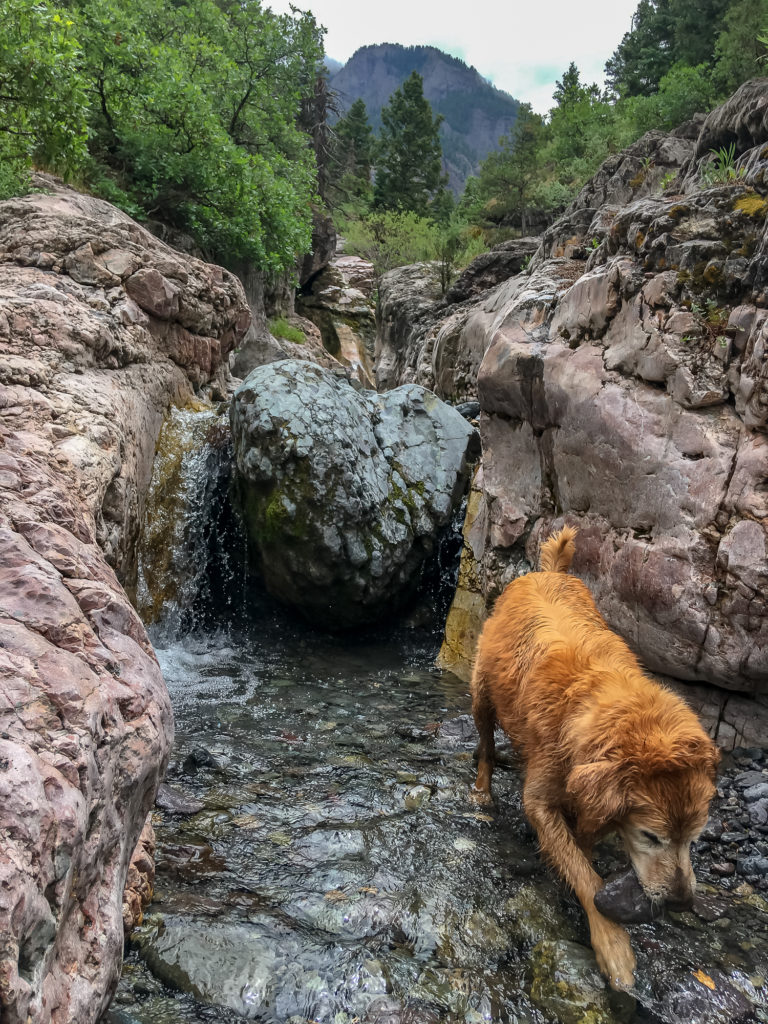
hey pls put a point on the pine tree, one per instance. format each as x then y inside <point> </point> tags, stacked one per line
<point>409,163</point>
<point>354,148</point>
<point>646,53</point>
<point>509,175</point>
<point>739,49</point>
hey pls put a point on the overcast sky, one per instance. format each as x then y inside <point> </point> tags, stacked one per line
<point>522,47</point>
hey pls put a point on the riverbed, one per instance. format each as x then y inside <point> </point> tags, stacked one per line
<point>338,873</point>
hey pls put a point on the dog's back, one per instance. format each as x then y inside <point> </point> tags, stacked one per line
<point>545,626</point>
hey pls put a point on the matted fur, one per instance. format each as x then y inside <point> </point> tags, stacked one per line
<point>605,748</point>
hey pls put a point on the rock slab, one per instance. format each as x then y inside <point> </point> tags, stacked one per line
<point>101,326</point>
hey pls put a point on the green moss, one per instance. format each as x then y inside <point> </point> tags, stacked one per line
<point>677,211</point>
<point>274,516</point>
<point>638,179</point>
<point>281,328</point>
<point>753,205</point>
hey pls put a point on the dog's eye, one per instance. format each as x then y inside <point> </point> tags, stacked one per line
<point>652,839</point>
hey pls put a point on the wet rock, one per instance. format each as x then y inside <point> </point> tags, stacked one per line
<point>384,1011</point>
<point>458,731</point>
<point>469,410</point>
<point>758,792</point>
<point>758,812</point>
<point>706,995</point>
<point>140,880</point>
<point>532,916</point>
<point>258,969</point>
<point>723,868</point>
<point>745,780</point>
<point>176,802</point>
<point>755,865</point>
<point>86,376</point>
<point>566,983</point>
<point>330,844</point>
<point>416,797</point>
<point>200,757</point>
<point>622,899</point>
<point>344,492</point>
<point>712,830</point>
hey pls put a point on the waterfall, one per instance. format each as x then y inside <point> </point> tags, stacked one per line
<point>192,551</point>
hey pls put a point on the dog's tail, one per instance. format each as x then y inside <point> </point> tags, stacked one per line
<point>557,552</point>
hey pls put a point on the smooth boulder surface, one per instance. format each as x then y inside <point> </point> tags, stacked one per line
<point>344,492</point>
<point>101,327</point>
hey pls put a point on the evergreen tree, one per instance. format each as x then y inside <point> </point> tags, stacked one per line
<point>409,162</point>
<point>573,119</point>
<point>696,27</point>
<point>646,53</point>
<point>354,148</point>
<point>509,175</point>
<point>739,50</point>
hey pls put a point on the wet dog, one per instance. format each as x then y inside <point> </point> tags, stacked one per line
<point>605,748</point>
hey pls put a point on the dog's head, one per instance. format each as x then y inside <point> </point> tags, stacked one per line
<point>652,783</point>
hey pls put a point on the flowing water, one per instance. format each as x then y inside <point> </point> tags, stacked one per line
<point>336,871</point>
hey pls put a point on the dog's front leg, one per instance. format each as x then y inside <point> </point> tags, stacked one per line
<point>609,940</point>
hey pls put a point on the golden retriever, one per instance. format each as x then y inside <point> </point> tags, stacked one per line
<point>605,748</point>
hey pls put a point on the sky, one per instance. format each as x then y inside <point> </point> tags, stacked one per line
<point>521,46</point>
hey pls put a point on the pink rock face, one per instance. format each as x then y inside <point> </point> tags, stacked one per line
<point>86,375</point>
<point>623,385</point>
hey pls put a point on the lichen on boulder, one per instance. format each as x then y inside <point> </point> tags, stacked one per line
<point>344,492</point>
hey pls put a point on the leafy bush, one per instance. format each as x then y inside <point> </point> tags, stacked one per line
<point>42,94</point>
<point>185,111</point>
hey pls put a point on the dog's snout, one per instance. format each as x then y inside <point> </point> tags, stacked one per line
<point>681,891</point>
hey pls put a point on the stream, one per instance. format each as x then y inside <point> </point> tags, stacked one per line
<point>333,869</point>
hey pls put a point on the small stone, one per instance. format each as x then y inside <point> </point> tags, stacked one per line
<point>176,802</point>
<point>723,868</point>
<point>417,796</point>
<point>622,899</point>
<point>712,830</point>
<point>757,792</point>
<point>752,865</point>
<point>199,757</point>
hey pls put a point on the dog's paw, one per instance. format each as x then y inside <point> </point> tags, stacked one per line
<point>481,797</point>
<point>614,954</point>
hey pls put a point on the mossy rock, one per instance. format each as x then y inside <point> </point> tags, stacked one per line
<point>567,983</point>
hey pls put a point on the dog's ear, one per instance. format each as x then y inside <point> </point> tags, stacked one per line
<point>600,789</point>
<point>670,752</point>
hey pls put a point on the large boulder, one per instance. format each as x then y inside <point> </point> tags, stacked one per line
<point>101,326</point>
<point>344,491</point>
